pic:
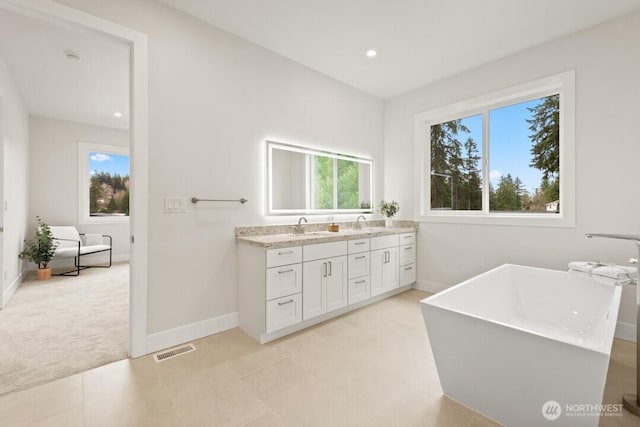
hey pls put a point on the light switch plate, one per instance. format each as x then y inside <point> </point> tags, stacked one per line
<point>175,204</point>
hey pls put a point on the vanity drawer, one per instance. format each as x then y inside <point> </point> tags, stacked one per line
<point>359,289</point>
<point>284,256</point>
<point>407,238</point>
<point>407,254</point>
<point>284,312</point>
<point>324,250</point>
<point>383,242</point>
<point>407,274</point>
<point>284,280</point>
<point>359,265</point>
<point>358,245</point>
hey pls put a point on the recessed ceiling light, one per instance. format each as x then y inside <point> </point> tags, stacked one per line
<point>371,53</point>
<point>117,114</point>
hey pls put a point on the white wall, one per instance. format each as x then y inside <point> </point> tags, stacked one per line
<point>606,60</point>
<point>15,179</point>
<point>54,176</point>
<point>213,101</point>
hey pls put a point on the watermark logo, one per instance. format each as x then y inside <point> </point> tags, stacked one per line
<point>551,410</point>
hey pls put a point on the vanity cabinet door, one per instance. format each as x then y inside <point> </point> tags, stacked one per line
<point>313,291</point>
<point>378,262</point>
<point>384,270</point>
<point>391,270</point>
<point>336,283</point>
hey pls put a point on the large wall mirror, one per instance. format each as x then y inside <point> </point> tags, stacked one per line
<point>306,181</point>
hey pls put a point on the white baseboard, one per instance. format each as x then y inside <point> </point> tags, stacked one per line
<point>6,295</point>
<point>626,331</point>
<point>190,332</point>
<point>430,286</point>
<point>120,258</point>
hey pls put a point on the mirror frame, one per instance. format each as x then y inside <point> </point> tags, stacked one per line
<point>270,145</point>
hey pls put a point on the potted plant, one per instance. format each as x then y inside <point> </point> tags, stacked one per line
<point>388,209</point>
<point>40,249</point>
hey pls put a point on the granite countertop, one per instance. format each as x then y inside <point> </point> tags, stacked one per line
<point>321,236</point>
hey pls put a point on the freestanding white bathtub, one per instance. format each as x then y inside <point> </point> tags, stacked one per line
<point>511,339</point>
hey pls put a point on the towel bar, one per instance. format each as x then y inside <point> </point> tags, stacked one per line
<point>195,200</point>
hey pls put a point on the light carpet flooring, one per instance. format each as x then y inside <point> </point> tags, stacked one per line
<point>55,328</point>
<point>371,367</point>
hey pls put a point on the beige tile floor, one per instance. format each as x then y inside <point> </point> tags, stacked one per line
<point>371,367</point>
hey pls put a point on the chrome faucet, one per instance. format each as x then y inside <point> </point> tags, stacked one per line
<point>631,402</point>
<point>357,225</point>
<point>298,228</point>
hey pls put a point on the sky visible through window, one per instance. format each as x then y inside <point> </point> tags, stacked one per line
<point>114,164</point>
<point>510,149</point>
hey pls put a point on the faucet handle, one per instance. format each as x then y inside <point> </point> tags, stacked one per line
<point>633,260</point>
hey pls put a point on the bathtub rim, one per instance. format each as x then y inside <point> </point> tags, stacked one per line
<point>611,321</point>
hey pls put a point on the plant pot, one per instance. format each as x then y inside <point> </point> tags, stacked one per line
<point>44,273</point>
<point>388,222</point>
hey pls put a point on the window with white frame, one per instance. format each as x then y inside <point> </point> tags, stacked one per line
<point>503,158</point>
<point>103,183</point>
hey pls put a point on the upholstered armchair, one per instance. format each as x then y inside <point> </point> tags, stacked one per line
<point>76,245</point>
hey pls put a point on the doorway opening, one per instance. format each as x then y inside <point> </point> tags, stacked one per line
<point>77,77</point>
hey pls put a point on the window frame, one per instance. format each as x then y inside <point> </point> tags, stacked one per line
<point>562,84</point>
<point>84,148</point>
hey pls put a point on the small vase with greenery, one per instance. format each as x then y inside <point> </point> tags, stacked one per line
<point>40,249</point>
<point>389,210</point>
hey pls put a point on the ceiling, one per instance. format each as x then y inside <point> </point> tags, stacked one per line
<point>87,91</point>
<point>418,41</point>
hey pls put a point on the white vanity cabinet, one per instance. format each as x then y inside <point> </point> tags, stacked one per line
<point>385,274</point>
<point>284,289</point>
<point>325,278</point>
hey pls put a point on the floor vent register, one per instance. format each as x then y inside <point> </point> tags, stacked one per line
<point>174,352</point>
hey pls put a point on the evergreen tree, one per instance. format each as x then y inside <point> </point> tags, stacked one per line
<point>445,160</point>
<point>124,205</point>
<point>95,192</point>
<point>506,196</point>
<point>518,186</point>
<point>471,197</point>
<point>545,151</point>
<point>112,206</point>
